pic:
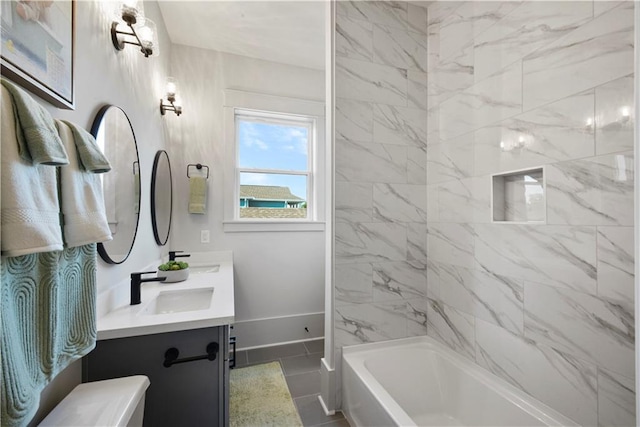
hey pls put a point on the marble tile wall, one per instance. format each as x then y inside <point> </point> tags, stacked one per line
<point>548,307</point>
<point>381,200</point>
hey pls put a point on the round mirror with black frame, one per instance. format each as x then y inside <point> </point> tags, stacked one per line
<point>121,186</point>
<point>161,197</point>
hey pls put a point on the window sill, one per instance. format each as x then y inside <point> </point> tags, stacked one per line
<point>260,226</point>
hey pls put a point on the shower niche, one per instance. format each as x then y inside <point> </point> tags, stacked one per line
<point>519,197</point>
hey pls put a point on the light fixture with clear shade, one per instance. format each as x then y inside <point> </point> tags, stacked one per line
<point>142,30</point>
<point>174,103</point>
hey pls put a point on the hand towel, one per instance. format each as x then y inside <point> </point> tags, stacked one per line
<point>82,202</point>
<point>36,134</point>
<point>30,212</point>
<point>197,195</point>
<point>89,154</point>
<point>47,321</point>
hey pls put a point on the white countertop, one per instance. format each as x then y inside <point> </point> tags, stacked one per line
<point>131,320</point>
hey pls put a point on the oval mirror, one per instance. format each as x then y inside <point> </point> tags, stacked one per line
<point>114,134</point>
<point>161,197</point>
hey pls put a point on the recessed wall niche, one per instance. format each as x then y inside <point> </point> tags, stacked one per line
<point>519,196</point>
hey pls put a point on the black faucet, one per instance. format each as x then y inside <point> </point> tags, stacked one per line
<point>137,281</point>
<point>173,256</point>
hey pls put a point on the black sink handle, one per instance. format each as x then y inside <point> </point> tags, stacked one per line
<point>171,355</point>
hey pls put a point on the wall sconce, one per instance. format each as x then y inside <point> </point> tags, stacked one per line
<point>174,104</point>
<point>142,30</point>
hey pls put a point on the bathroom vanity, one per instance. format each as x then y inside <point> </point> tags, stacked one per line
<point>178,337</point>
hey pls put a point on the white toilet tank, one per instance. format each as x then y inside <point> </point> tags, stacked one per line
<point>116,402</point>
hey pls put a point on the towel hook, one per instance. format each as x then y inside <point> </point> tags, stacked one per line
<point>198,166</point>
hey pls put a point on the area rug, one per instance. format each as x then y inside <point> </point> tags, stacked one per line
<point>259,396</point>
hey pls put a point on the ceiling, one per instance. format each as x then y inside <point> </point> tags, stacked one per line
<point>290,32</point>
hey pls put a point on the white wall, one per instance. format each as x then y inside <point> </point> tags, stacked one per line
<point>277,274</point>
<point>134,83</point>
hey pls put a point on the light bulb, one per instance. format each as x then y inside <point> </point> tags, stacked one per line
<point>626,112</point>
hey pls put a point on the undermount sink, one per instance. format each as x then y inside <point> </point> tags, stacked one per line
<point>180,301</point>
<point>205,269</point>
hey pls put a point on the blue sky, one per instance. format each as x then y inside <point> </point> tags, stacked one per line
<point>274,146</point>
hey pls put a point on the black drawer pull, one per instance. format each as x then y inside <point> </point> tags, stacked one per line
<point>171,355</point>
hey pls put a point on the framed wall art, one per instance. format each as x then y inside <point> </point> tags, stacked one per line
<point>38,47</point>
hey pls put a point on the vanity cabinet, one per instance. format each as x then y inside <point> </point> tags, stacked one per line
<point>192,393</point>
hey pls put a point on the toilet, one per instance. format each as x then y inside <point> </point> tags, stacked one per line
<point>115,402</point>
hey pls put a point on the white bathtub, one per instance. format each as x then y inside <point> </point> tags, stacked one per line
<point>420,382</point>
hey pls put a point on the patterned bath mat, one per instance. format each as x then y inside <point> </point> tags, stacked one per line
<point>259,396</point>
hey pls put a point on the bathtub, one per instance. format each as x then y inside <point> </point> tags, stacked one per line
<point>419,382</point>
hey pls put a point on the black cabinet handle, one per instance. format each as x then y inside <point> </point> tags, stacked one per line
<point>232,360</point>
<point>171,355</point>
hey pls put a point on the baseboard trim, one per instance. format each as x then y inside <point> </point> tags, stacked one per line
<point>273,331</point>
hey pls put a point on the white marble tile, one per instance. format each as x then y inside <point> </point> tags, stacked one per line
<point>417,18</point>
<point>354,38</point>
<point>563,256</point>
<point>362,323</point>
<point>616,264</point>
<point>417,89</point>
<point>417,242</point>
<point>491,297</point>
<point>465,200</point>
<point>595,53</point>
<point>493,99</point>
<point>565,383</point>
<point>399,281</point>
<point>416,165</point>
<point>399,203</point>
<point>471,19</point>
<point>365,81</point>
<point>451,327</point>
<point>370,242</point>
<point>399,48</point>
<point>433,207</point>
<point>353,202</point>
<point>353,283</point>
<point>438,11</point>
<point>417,317</point>
<point>582,325</point>
<point>399,125</point>
<point>433,126</point>
<point>453,159</point>
<point>362,162</point>
<point>615,116</point>
<point>532,25</point>
<point>354,120</point>
<point>450,76</point>
<point>594,191</point>
<point>451,243</point>
<point>602,6</point>
<point>551,133</point>
<point>389,13</point>
<point>616,400</point>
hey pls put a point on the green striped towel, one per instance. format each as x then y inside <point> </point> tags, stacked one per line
<point>47,315</point>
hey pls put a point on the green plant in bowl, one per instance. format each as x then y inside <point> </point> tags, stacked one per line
<point>174,271</point>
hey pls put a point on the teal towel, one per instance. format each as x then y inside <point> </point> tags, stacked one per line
<point>38,139</point>
<point>89,154</point>
<point>47,315</point>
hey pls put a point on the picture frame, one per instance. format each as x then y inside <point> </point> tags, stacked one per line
<point>38,48</point>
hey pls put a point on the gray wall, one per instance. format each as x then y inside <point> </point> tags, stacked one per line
<point>279,276</point>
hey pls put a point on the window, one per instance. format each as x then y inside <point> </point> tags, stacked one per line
<point>274,169</point>
<point>274,163</point>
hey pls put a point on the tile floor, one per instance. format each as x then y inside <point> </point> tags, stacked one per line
<point>301,366</point>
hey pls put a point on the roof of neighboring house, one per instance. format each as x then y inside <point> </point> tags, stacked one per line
<point>267,192</point>
<point>273,213</point>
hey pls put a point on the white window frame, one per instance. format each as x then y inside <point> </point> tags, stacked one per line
<point>270,109</point>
